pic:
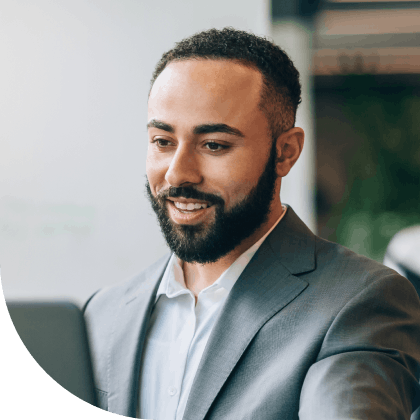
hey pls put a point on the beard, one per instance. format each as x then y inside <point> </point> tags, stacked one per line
<point>205,243</point>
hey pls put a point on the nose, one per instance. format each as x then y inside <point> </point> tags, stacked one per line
<point>184,167</point>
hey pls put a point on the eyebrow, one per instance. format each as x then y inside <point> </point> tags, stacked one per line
<point>217,128</point>
<point>199,129</point>
<point>161,125</point>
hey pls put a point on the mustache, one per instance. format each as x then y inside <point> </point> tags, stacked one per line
<point>190,192</point>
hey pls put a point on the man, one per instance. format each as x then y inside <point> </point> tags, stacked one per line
<point>251,316</point>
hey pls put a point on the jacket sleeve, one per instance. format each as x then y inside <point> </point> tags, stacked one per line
<point>369,363</point>
<point>87,302</point>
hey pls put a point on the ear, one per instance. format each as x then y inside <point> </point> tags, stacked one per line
<point>289,147</point>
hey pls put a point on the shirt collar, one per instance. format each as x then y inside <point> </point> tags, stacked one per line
<point>173,283</point>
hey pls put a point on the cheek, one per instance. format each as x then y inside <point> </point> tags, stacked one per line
<point>149,163</point>
<point>240,190</point>
<point>244,171</point>
<point>157,161</point>
<point>235,179</point>
<point>155,170</point>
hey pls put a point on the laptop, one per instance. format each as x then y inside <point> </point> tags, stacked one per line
<point>55,335</point>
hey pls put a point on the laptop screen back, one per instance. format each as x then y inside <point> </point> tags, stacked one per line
<point>55,335</point>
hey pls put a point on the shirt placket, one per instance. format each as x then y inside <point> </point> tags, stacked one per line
<point>178,360</point>
<point>204,302</point>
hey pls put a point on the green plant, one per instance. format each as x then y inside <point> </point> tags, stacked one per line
<point>383,190</point>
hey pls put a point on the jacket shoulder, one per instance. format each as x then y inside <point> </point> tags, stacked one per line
<point>333,254</point>
<point>110,316</point>
<point>350,271</point>
<point>112,296</point>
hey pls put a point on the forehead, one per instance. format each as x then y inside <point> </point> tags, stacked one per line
<point>216,90</point>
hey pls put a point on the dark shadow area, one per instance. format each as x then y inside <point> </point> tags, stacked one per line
<point>368,158</point>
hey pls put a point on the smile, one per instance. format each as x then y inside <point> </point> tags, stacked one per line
<point>189,213</point>
<point>190,206</point>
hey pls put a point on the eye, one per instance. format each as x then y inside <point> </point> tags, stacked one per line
<point>161,142</point>
<point>215,147</point>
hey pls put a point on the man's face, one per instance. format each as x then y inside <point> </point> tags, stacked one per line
<point>211,161</point>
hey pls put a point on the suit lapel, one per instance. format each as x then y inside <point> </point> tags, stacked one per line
<point>128,336</point>
<point>265,287</point>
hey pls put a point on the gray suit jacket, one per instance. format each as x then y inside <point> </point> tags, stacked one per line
<point>310,330</point>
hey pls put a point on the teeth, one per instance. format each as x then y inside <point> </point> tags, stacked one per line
<point>190,206</point>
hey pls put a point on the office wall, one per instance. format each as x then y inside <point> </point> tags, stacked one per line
<point>298,187</point>
<point>74,80</point>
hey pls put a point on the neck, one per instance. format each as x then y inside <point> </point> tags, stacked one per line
<point>199,276</point>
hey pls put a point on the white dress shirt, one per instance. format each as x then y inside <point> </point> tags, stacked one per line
<point>177,335</point>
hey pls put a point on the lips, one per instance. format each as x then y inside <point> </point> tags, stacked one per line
<point>190,206</point>
<point>188,212</point>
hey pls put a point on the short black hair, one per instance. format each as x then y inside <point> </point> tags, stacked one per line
<point>281,92</point>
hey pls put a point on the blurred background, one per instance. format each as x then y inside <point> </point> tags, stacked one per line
<point>73,109</point>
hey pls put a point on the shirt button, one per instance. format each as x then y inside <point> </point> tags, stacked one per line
<point>172,391</point>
